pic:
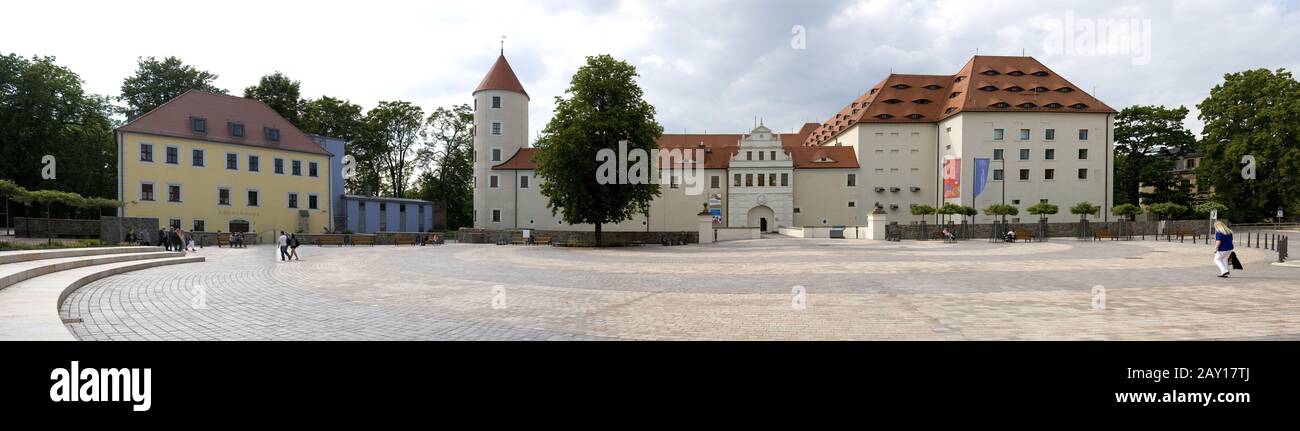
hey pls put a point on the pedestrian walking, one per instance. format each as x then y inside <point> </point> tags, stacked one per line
<point>162,239</point>
<point>284,247</point>
<point>293,247</point>
<point>1222,248</point>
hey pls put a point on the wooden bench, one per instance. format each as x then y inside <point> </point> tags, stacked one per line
<point>541,239</point>
<point>329,240</point>
<point>1184,232</point>
<point>1024,235</point>
<point>404,240</point>
<point>363,240</point>
<point>1098,234</point>
<point>223,240</point>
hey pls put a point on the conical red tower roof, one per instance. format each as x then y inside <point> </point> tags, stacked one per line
<point>501,77</point>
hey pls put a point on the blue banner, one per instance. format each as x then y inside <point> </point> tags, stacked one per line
<point>981,175</point>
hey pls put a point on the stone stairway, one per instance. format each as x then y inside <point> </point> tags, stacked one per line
<point>34,283</point>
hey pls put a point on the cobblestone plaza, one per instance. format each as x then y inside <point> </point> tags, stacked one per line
<point>743,290</point>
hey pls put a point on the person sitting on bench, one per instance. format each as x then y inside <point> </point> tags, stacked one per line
<point>1010,236</point>
<point>947,235</point>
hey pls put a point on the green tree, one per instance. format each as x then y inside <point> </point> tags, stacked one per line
<point>948,209</point>
<point>449,156</point>
<point>969,211</point>
<point>1255,113</point>
<point>1043,209</point>
<point>345,120</point>
<point>155,82</point>
<point>1148,140</point>
<point>1166,210</point>
<point>1204,209</point>
<point>604,106</point>
<point>1129,211</point>
<point>923,210</point>
<point>1001,210</point>
<point>45,111</point>
<point>332,117</point>
<point>1084,209</point>
<point>391,133</point>
<point>281,94</point>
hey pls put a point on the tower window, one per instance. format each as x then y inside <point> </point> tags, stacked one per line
<point>496,128</point>
<point>496,102</point>
<point>496,154</point>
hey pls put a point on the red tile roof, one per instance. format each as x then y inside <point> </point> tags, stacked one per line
<point>985,83</point>
<point>721,147</point>
<point>172,119</point>
<point>521,160</point>
<point>501,77</point>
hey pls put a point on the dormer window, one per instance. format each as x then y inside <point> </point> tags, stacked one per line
<point>1015,89</point>
<point>1040,89</point>
<point>893,101</point>
<point>949,110</point>
<point>237,130</point>
<point>915,117</point>
<point>989,72</point>
<point>921,101</point>
<point>954,94</point>
<point>884,116</point>
<point>1064,90</point>
<point>901,86</point>
<point>1027,105</point>
<point>1053,105</point>
<point>959,78</point>
<point>1016,73</point>
<point>199,125</point>
<point>933,87</point>
<point>873,90</point>
<point>1079,106</point>
<point>272,134</point>
<point>989,88</point>
<point>1039,73</point>
<point>1000,105</point>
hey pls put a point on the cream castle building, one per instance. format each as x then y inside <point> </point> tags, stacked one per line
<point>1001,130</point>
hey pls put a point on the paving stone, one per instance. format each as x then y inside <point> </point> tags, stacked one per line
<point>733,290</point>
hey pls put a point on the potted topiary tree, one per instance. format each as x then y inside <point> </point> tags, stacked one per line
<point>1083,210</point>
<point>923,210</point>
<point>1002,211</point>
<point>1129,212</point>
<point>1042,210</point>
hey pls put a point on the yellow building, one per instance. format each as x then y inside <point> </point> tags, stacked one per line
<point>211,162</point>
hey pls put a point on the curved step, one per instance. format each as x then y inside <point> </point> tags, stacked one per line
<point>7,257</point>
<point>15,273</point>
<point>30,310</point>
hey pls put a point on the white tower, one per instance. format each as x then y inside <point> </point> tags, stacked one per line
<point>500,131</point>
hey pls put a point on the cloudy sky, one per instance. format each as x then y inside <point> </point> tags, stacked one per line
<point>707,65</point>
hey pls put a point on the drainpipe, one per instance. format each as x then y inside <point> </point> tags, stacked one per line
<point>516,209</point>
<point>938,179</point>
<point>1106,192</point>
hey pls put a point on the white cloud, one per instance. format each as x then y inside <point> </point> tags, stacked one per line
<point>705,65</point>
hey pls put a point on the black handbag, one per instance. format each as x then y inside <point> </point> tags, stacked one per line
<point>1236,264</point>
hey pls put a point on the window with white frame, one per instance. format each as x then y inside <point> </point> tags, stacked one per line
<point>496,128</point>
